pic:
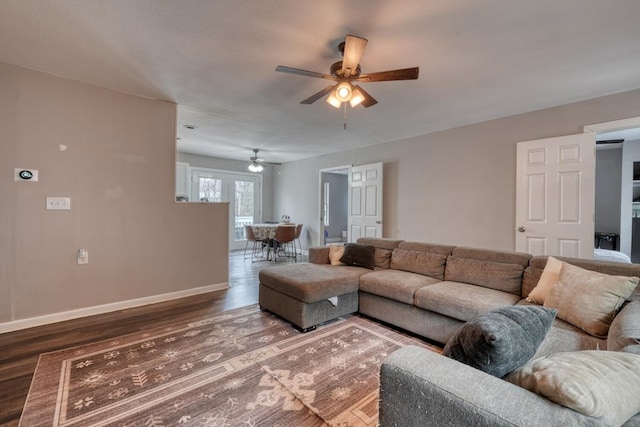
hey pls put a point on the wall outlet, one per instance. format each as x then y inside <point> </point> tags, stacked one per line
<point>59,203</point>
<point>83,256</point>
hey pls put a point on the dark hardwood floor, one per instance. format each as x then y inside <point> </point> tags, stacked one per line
<point>19,350</point>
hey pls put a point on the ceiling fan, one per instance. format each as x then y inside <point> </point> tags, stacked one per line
<point>256,163</point>
<point>346,72</point>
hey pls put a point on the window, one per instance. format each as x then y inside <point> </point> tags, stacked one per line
<point>209,189</point>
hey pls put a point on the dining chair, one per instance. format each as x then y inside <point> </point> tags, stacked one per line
<point>285,236</point>
<point>258,245</point>
<point>297,238</point>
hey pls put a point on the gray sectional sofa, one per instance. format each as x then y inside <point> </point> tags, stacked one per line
<point>432,290</point>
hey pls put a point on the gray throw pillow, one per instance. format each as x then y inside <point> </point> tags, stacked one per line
<point>359,255</point>
<point>501,340</point>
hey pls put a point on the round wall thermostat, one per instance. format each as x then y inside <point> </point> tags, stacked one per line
<point>25,174</point>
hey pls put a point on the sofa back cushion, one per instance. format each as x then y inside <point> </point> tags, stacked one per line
<point>421,258</point>
<point>497,270</point>
<point>384,249</point>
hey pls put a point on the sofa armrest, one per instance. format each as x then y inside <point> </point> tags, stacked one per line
<point>624,332</point>
<point>319,255</point>
<point>419,387</point>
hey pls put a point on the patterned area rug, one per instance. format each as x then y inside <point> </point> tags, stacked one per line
<point>242,367</point>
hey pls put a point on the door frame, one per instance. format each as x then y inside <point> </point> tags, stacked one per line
<point>625,214</point>
<point>320,198</point>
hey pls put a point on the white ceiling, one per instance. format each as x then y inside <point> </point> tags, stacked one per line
<point>478,59</point>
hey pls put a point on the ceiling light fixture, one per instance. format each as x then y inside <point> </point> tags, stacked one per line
<point>255,167</point>
<point>356,97</point>
<point>333,100</point>
<point>343,91</point>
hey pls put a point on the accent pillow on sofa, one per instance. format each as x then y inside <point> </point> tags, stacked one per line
<point>548,279</point>
<point>501,340</point>
<point>588,299</point>
<point>600,384</point>
<point>359,255</point>
<point>335,253</point>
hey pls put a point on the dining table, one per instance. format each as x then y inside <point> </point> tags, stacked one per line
<point>267,233</point>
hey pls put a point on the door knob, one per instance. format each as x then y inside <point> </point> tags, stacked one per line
<point>378,222</point>
<point>522,229</point>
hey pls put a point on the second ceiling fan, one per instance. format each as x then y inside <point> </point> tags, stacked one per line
<point>346,72</point>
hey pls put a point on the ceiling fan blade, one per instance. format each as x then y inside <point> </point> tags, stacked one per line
<point>353,51</point>
<point>313,98</point>
<point>368,99</point>
<point>283,69</point>
<point>383,76</point>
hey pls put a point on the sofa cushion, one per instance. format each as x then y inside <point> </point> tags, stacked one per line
<point>588,299</point>
<point>383,258</point>
<point>311,282</point>
<point>564,336</point>
<point>335,253</point>
<point>384,249</point>
<point>601,384</point>
<point>394,284</point>
<point>461,301</point>
<point>359,255</point>
<point>490,274</point>
<point>537,264</point>
<point>548,279</point>
<point>420,262</point>
<point>501,340</point>
<point>624,332</point>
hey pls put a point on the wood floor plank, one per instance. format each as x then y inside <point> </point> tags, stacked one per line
<point>20,349</point>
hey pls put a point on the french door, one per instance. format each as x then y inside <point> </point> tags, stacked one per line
<point>241,191</point>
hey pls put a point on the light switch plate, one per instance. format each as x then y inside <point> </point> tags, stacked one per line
<point>59,203</point>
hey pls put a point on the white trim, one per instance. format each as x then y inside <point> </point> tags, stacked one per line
<point>632,122</point>
<point>31,322</point>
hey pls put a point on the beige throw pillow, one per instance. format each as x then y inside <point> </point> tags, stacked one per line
<point>548,279</point>
<point>600,384</point>
<point>335,253</point>
<point>588,299</point>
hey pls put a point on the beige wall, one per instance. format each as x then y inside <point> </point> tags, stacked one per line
<point>118,170</point>
<point>455,186</point>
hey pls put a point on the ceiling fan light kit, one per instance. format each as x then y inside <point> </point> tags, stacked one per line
<point>256,163</point>
<point>347,71</point>
<point>255,167</point>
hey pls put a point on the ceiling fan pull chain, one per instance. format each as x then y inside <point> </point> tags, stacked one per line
<point>345,116</point>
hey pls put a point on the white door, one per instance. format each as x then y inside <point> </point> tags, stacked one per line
<point>365,202</point>
<point>555,192</point>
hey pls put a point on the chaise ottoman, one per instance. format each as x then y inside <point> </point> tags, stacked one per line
<point>309,294</point>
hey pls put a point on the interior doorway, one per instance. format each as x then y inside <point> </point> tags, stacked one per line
<point>334,205</point>
<point>617,213</point>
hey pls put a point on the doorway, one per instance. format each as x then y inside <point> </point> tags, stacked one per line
<point>620,151</point>
<point>334,204</point>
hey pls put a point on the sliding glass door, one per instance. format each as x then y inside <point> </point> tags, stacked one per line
<point>241,191</point>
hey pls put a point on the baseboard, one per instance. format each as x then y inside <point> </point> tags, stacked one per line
<point>46,319</point>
